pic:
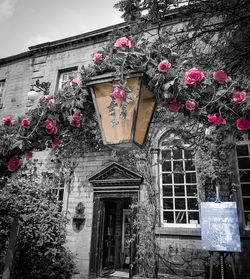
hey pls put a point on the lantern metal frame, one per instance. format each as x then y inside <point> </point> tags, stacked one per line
<point>112,78</point>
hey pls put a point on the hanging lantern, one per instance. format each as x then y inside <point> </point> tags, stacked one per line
<point>123,121</point>
<point>32,95</point>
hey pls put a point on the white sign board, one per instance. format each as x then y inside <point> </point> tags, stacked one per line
<point>219,226</point>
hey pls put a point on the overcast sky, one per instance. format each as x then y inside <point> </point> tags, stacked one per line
<point>25,23</point>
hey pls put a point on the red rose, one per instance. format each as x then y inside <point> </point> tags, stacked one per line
<point>164,66</point>
<point>77,117</point>
<point>243,124</point>
<point>216,118</point>
<point>123,42</point>
<point>50,125</point>
<point>190,105</point>
<point>75,123</point>
<point>7,119</point>
<point>193,75</point>
<point>119,93</point>
<point>240,97</point>
<point>47,97</point>
<point>28,155</point>
<point>14,163</point>
<point>97,56</point>
<point>75,81</point>
<point>174,106</point>
<point>220,76</point>
<point>55,142</point>
<point>25,122</point>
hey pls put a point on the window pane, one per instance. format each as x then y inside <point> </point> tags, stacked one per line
<point>247,218</point>
<point>178,166</point>
<point>167,190</point>
<point>178,178</point>
<point>246,202</point>
<point>245,188</point>
<point>191,177</point>
<point>166,178</point>
<point>189,165</point>
<point>242,150</point>
<point>168,216</point>
<point>188,153</point>
<point>60,197</point>
<point>180,217</point>
<point>179,190</point>
<point>167,203</point>
<point>177,154</point>
<point>244,176</point>
<point>191,190</point>
<point>244,163</point>
<point>166,166</point>
<point>192,203</point>
<point>193,216</point>
<point>180,203</point>
<point>166,154</point>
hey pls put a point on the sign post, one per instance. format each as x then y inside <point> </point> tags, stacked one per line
<point>220,232</point>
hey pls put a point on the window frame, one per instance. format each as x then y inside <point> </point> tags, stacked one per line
<point>161,185</point>
<point>64,71</point>
<point>245,141</point>
<point>2,90</point>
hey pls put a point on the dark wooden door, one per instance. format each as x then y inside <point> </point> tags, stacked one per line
<point>107,239</point>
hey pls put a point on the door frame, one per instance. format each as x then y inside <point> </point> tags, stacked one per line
<point>96,235</point>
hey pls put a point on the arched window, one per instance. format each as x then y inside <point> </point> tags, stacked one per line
<point>178,183</point>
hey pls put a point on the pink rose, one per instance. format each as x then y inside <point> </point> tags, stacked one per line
<point>14,163</point>
<point>240,97</point>
<point>55,142</point>
<point>77,117</point>
<point>7,119</point>
<point>52,102</point>
<point>25,122</point>
<point>50,125</point>
<point>97,56</point>
<point>164,66</point>
<point>242,124</point>
<point>193,75</point>
<point>75,81</point>
<point>75,123</point>
<point>216,118</point>
<point>47,97</point>
<point>174,106</point>
<point>28,155</point>
<point>123,42</point>
<point>220,76</point>
<point>190,105</point>
<point>119,93</point>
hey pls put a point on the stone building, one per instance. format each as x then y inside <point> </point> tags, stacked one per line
<point>103,188</point>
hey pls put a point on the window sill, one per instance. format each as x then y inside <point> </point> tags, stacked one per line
<point>178,231</point>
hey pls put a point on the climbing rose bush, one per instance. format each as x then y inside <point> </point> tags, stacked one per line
<point>55,142</point>
<point>193,75</point>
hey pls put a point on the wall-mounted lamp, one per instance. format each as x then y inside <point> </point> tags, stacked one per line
<point>33,94</point>
<point>79,217</point>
